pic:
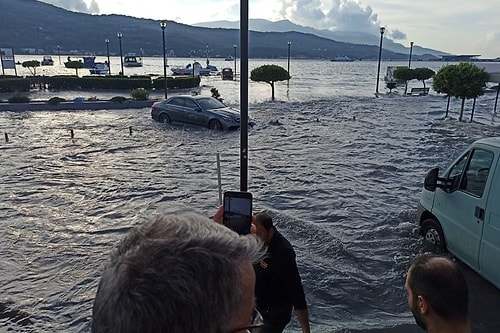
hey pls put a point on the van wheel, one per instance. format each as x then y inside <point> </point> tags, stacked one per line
<point>433,233</point>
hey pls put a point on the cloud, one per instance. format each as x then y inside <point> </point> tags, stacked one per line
<point>342,15</point>
<point>490,43</point>
<point>397,35</point>
<point>76,5</point>
<point>334,15</point>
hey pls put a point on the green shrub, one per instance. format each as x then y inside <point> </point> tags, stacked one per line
<point>13,84</point>
<point>177,82</point>
<point>139,94</point>
<point>19,99</point>
<point>118,99</point>
<point>55,100</point>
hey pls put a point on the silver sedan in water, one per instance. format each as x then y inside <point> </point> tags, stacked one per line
<point>196,110</point>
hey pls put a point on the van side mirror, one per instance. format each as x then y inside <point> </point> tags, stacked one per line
<point>431,179</point>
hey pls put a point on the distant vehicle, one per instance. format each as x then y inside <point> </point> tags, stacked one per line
<point>229,58</point>
<point>132,60</point>
<point>460,211</point>
<point>227,73</point>
<point>47,61</point>
<point>196,110</point>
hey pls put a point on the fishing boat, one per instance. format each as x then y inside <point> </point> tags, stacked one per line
<point>100,68</point>
<point>132,60</point>
<point>342,59</point>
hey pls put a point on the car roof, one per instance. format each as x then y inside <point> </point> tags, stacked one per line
<point>191,96</point>
<point>491,141</point>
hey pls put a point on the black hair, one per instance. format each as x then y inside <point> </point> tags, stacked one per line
<point>442,283</point>
<point>265,220</point>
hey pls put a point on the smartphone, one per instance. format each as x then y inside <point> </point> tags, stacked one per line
<point>238,211</point>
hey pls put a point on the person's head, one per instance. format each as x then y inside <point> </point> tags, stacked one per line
<point>436,286</point>
<point>264,227</point>
<point>178,273</point>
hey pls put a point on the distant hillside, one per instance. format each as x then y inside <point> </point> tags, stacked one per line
<point>339,36</point>
<point>30,24</point>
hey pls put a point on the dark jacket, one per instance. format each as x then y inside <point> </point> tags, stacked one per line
<point>278,283</point>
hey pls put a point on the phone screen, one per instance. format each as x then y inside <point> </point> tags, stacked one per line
<point>238,211</point>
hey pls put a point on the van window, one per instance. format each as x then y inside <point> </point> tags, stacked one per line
<point>477,171</point>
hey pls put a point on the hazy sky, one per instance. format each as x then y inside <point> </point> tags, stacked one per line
<point>454,26</point>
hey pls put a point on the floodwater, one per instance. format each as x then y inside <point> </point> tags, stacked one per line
<point>341,173</point>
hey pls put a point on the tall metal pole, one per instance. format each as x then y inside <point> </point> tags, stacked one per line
<point>382,29</point>
<point>411,50</point>
<point>120,35</point>
<point>208,62</point>
<point>234,45</point>
<point>243,94</point>
<point>163,25</point>
<point>107,51</point>
<point>59,53</point>
<point>409,66</point>
<point>288,68</point>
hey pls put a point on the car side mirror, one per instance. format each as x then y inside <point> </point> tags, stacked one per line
<point>431,179</point>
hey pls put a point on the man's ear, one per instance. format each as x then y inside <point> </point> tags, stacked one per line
<point>423,304</point>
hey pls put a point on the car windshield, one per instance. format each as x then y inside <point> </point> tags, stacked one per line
<point>210,103</point>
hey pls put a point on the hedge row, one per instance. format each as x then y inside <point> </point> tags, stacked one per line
<point>14,84</point>
<point>72,82</point>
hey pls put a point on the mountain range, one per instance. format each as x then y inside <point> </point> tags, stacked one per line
<point>354,37</point>
<point>30,26</point>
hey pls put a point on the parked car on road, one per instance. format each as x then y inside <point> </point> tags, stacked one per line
<point>459,211</point>
<point>196,110</point>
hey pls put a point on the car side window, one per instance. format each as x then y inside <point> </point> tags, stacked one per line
<point>476,172</point>
<point>191,104</point>
<point>177,102</point>
<point>454,176</point>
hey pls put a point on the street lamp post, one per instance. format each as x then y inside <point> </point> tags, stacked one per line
<point>382,30</point>
<point>411,50</point>
<point>234,45</point>
<point>59,53</point>
<point>288,68</point>
<point>120,35</point>
<point>163,25</point>
<point>107,51</point>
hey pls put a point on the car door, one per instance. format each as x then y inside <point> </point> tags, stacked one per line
<point>175,109</point>
<point>489,256</point>
<point>193,112</point>
<point>461,209</point>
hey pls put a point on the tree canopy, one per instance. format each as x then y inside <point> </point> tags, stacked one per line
<point>31,65</point>
<point>423,74</point>
<point>269,74</point>
<point>76,64</point>
<point>404,73</point>
<point>464,81</point>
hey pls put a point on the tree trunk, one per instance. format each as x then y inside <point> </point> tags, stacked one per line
<point>462,109</point>
<point>447,106</point>
<point>272,90</point>
<point>473,107</point>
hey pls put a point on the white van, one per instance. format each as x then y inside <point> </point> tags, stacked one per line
<point>460,210</point>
